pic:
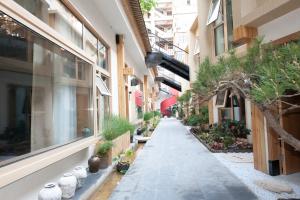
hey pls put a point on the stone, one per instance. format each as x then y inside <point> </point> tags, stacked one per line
<point>274,186</point>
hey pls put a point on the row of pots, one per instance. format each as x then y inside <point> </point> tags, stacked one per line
<point>66,186</point>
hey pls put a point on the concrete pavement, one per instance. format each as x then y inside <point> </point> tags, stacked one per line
<point>174,165</point>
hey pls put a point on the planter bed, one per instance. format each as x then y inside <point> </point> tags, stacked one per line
<point>221,150</point>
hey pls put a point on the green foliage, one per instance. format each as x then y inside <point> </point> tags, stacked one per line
<point>185,97</point>
<point>156,113</point>
<point>231,128</point>
<point>269,71</point>
<point>193,120</point>
<point>104,148</point>
<point>148,116</point>
<point>147,5</point>
<point>204,116</point>
<point>115,126</point>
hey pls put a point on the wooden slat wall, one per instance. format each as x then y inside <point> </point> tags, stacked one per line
<point>120,144</point>
<point>259,147</point>
<point>291,158</point>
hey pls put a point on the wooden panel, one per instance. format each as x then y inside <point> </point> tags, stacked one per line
<point>120,144</point>
<point>244,34</point>
<point>128,71</point>
<point>121,85</point>
<point>258,134</point>
<point>291,158</point>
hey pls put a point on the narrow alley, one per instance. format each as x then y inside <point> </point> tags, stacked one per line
<point>174,165</point>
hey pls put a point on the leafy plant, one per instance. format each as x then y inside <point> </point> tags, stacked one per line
<point>115,126</point>
<point>147,5</point>
<point>148,116</point>
<point>204,117</point>
<point>193,120</point>
<point>104,148</point>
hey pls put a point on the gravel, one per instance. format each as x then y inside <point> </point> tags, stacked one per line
<point>241,165</point>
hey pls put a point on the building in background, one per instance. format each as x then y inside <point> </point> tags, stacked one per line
<point>167,25</point>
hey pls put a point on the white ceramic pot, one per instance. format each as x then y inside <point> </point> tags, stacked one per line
<point>68,183</point>
<point>80,173</point>
<point>50,192</point>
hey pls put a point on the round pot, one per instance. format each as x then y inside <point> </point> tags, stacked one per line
<point>105,161</point>
<point>80,173</point>
<point>94,164</point>
<point>139,131</point>
<point>50,192</point>
<point>123,167</point>
<point>67,184</point>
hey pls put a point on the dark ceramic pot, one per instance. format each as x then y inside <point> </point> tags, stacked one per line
<point>105,161</point>
<point>94,164</point>
<point>131,138</point>
<point>123,167</point>
<point>139,131</point>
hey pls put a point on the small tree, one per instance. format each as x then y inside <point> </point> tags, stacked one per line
<point>147,5</point>
<point>268,75</point>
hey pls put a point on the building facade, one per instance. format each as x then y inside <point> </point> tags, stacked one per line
<point>64,67</point>
<point>224,25</point>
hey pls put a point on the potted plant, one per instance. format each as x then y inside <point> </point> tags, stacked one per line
<point>124,163</point>
<point>104,153</point>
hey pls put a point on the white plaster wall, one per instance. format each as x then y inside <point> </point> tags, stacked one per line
<point>280,27</point>
<point>28,187</point>
<point>215,110</point>
<point>248,114</point>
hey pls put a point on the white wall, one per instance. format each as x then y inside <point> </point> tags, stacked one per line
<point>28,187</point>
<point>280,27</point>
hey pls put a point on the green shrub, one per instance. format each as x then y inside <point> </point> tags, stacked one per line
<point>204,117</point>
<point>148,116</point>
<point>115,126</point>
<point>193,120</point>
<point>104,148</point>
<point>156,113</point>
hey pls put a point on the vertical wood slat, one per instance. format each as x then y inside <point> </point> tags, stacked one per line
<point>121,66</point>
<point>290,122</point>
<point>259,143</point>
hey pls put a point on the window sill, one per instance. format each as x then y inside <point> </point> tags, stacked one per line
<point>18,170</point>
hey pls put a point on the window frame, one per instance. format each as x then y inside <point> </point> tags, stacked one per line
<point>24,166</point>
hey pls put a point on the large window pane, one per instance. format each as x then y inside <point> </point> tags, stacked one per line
<point>55,14</point>
<point>46,93</point>
<point>102,56</point>
<point>229,23</point>
<point>90,44</point>
<point>219,40</point>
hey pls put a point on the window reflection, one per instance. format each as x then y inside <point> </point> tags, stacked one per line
<point>46,92</point>
<point>55,14</point>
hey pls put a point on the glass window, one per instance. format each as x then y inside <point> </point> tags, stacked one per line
<point>103,105</point>
<point>213,11</point>
<point>55,14</point>
<point>45,99</point>
<point>229,23</point>
<point>102,56</point>
<point>219,40</point>
<point>90,44</point>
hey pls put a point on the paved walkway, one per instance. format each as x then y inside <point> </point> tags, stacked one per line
<point>173,165</point>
